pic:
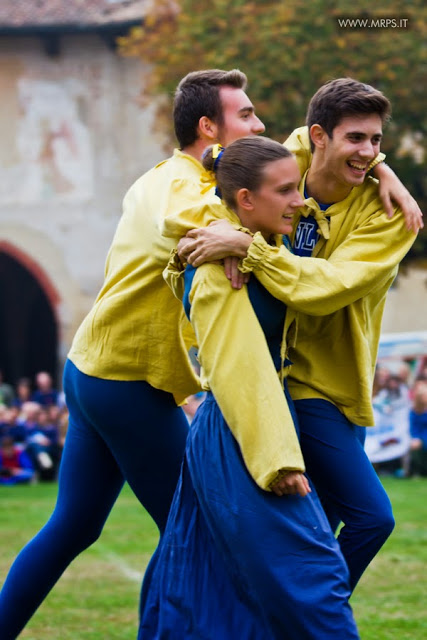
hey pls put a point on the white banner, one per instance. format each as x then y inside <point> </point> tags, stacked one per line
<point>398,354</point>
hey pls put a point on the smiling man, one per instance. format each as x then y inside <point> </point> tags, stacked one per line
<point>339,299</point>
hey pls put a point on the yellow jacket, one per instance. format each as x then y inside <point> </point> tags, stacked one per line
<point>135,329</point>
<point>340,297</point>
<point>238,368</point>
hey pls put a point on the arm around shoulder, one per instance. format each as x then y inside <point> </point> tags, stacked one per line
<point>237,363</point>
<point>320,286</point>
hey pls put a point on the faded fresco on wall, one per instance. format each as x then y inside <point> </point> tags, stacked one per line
<point>52,158</point>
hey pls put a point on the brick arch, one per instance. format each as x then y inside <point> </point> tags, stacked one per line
<point>29,322</point>
<point>36,271</point>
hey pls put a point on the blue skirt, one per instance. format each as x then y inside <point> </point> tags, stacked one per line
<point>239,562</point>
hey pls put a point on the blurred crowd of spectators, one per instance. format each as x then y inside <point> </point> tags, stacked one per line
<point>33,424</point>
<point>400,406</point>
<point>34,421</point>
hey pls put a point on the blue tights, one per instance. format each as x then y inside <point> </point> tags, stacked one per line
<point>117,431</point>
<point>346,482</point>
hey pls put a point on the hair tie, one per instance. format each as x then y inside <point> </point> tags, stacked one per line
<point>207,180</point>
<point>217,151</point>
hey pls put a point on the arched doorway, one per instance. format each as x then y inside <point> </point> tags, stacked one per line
<point>28,325</point>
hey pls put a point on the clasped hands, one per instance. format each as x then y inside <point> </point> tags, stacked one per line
<point>292,483</point>
<point>219,241</point>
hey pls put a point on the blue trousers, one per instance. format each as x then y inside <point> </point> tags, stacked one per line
<point>117,431</point>
<point>346,482</point>
<point>239,562</point>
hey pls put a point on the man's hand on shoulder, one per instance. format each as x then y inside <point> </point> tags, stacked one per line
<point>392,189</point>
<point>215,242</point>
<point>236,277</point>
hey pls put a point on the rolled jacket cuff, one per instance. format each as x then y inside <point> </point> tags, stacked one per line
<point>380,158</point>
<point>256,252</point>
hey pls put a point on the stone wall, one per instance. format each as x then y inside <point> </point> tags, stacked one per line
<point>74,138</point>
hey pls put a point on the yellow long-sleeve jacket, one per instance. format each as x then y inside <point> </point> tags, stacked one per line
<point>363,271</point>
<point>238,368</point>
<point>233,352</point>
<point>137,329</point>
<point>340,296</point>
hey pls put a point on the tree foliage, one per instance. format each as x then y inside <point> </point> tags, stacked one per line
<point>288,49</point>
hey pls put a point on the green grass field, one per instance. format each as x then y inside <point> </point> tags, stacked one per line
<point>97,597</point>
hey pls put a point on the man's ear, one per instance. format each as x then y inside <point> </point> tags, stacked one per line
<point>318,136</point>
<point>208,129</point>
<point>244,199</point>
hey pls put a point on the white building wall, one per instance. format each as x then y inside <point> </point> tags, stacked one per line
<point>74,138</point>
<point>406,306</point>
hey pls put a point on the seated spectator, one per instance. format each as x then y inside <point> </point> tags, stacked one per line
<point>387,444</point>
<point>395,393</point>
<point>11,425</point>
<point>15,464</point>
<point>53,414</point>
<point>45,394</point>
<point>48,423</point>
<point>23,392</point>
<point>40,439</point>
<point>3,411</point>
<point>6,392</point>
<point>49,429</point>
<point>418,430</point>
